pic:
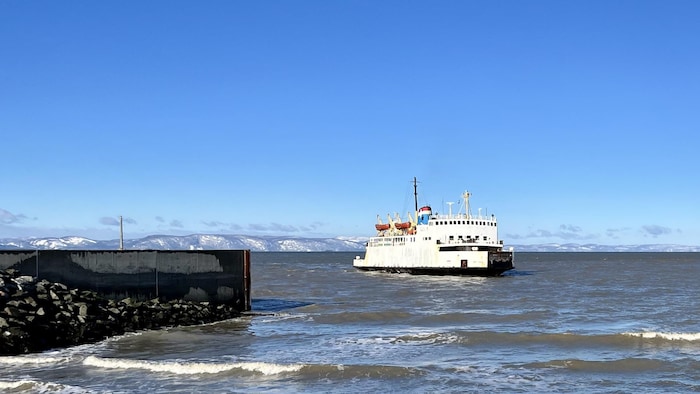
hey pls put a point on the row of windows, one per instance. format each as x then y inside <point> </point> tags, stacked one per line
<point>473,222</point>
<point>469,238</point>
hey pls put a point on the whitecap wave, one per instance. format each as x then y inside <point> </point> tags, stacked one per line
<point>423,338</point>
<point>671,336</point>
<point>28,360</point>
<point>35,386</point>
<point>20,384</point>
<point>190,368</point>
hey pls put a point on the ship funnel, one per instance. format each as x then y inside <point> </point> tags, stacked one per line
<point>424,214</point>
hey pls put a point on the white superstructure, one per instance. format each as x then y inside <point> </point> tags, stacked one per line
<point>430,243</point>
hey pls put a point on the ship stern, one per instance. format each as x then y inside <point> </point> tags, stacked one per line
<point>500,261</point>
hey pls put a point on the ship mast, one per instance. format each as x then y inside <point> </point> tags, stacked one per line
<point>465,196</point>
<point>415,193</point>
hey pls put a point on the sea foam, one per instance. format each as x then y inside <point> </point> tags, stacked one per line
<point>34,386</point>
<point>28,360</point>
<point>190,368</point>
<point>671,336</point>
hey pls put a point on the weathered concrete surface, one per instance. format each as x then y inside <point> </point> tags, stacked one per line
<point>221,276</point>
<point>41,315</point>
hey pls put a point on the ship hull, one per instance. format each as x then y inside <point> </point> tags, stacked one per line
<point>439,271</point>
<point>456,261</point>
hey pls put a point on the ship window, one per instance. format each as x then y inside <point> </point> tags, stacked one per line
<point>452,237</point>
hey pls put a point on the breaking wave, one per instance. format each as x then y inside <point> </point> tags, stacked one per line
<point>328,371</point>
<point>32,360</point>
<point>566,340</point>
<point>35,386</point>
<point>670,336</point>
<point>190,368</point>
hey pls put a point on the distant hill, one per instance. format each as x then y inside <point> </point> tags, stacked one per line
<point>193,242</point>
<point>289,244</point>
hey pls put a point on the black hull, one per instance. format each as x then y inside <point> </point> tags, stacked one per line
<point>441,271</point>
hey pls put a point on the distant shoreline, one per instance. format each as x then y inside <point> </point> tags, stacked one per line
<point>290,244</point>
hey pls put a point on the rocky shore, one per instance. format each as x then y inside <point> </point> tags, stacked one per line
<point>41,315</point>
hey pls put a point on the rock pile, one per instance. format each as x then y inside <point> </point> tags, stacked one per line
<point>40,315</point>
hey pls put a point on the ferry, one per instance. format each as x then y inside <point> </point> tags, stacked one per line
<point>435,244</point>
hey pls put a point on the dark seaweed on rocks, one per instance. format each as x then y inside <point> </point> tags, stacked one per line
<point>41,315</point>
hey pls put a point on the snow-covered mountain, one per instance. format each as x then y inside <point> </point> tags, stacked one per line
<point>194,242</point>
<point>289,244</point>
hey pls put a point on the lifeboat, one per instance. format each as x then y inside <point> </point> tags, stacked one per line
<point>381,227</point>
<point>403,226</point>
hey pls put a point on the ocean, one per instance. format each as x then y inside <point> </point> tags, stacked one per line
<point>559,323</point>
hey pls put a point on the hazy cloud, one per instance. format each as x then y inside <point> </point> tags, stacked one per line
<point>311,227</point>
<point>164,223</point>
<point>565,231</point>
<point>257,227</point>
<point>223,225</point>
<point>654,230</point>
<point>112,221</point>
<point>7,217</point>
<point>214,223</point>
<point>109,221</point>
<point>273,227</point>
<point>569,231</point>
<point>615,232</point>
<point>287,228</point>
<point>570,228</point>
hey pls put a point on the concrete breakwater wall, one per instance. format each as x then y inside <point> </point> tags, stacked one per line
<point>218,276</point>
<point>37,315</point>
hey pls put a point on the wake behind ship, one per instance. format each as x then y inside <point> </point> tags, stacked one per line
<point>428,243</point>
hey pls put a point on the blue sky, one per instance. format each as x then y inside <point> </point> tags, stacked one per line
<point>572,121</point>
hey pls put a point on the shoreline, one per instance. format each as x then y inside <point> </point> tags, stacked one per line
<point>36,316</point>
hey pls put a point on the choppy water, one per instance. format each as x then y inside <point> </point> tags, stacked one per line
<point>560,322</point>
